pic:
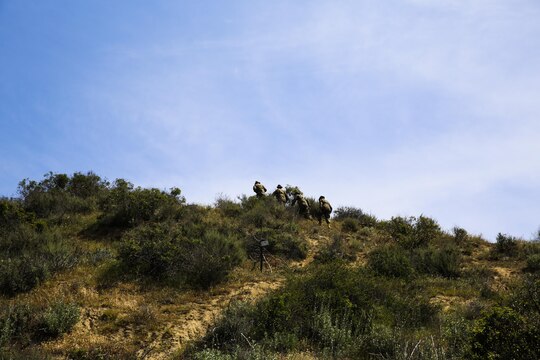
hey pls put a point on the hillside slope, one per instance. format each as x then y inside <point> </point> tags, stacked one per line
<point>93,270</point>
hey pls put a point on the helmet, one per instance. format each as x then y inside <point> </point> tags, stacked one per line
<point>279,186</point>
<point>321,197</point>
<point>257,182</point>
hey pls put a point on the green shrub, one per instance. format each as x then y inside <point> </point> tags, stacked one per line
<point>411,310</point>
<point>21,274</point>
<point>228,207</point>
<point>332,311</point>
<point>28,257</point>
<point>529,248</point>
<point>525,298</point>
<point>210,259</point>
<point>337,334</point>
<point>59,318</point>
<point>533,262</point>
<point>398,344</point>
<point>350,225</point>
<point>86,185</point>
<point>413,232</point>
<point>17,323</point>
<point>265,219</point>
<point>51,196</point>
<point>21,323</point>
<point>126,206</point>
<point>12,214</point>
<point>401,229</point>
<point>264,213</point>
<point>237,319</point>
<point>347,212</point>
<point>289,245</point>
<point>506,245</point>
<point>212,354</point>
<point>98,256</point>
<point>445,261</point>
<point>332,295</point>
<point>339,249</point>
<point>106,351</point>
<point>503,334</point>
<point>26,354</point>
<point>254,352</point>
<point>460,235</point>
<point>425,230</point>
<point>390,261</point>
<point>164,250</point>
<point>455,330</point>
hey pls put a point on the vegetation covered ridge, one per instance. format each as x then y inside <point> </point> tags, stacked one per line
<point>91,269</point>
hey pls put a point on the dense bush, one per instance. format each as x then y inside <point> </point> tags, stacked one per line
<point>165,250</point>
<point>425,230</point>
<point>528,248</point>
<point>59,318</point>
<point>126,206</point>
<point>332,311</point>
<point>288,245</point>
<point>28,257</point>
<point>265,219</point>
<point>12,214</point>
<point>86,185</point>
<point>26,354</point>
<point>22,323</point>
<point>533,262</point>
<point>21,274</point>
<point>350,225</point>
<point>390,261</point>
<point>228,207</point>
<point>460,235</point>
<point>444,261</point>
<point>503,334</point>
<point>17,323</point>
<point>413,232</point>
<point>506,245</point>
<point>347,212</point>
<point>61,195</point>
<point>264,213</point>
<point>525,298</point>
<point>339,248</point>
<point>332,295</point>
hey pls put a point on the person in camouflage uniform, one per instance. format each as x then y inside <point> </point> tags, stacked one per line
<point>303,205</point>
<point>281,195</point>
<point>259,189</point>
<point>325,209</point>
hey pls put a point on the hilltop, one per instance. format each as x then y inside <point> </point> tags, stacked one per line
<point>97,270</point>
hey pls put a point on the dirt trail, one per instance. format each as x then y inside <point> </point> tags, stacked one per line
<point>192,325</point>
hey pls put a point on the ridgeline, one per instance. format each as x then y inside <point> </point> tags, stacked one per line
<point>97,270</point>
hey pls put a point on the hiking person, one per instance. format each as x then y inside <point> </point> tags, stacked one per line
<point>259,189</point>
<point>325,209</point>
<point>281,195</point>
<point>303,205</point>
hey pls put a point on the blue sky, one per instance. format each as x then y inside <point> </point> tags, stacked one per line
<point>398,107</point>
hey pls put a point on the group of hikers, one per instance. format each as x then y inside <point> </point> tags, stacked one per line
<point>325,209</point>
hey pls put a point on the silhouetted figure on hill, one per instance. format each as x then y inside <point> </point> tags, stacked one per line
<point>259,189</point>
<point>303,205</point>
<point>325,209</point>
<point>281,195</point>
